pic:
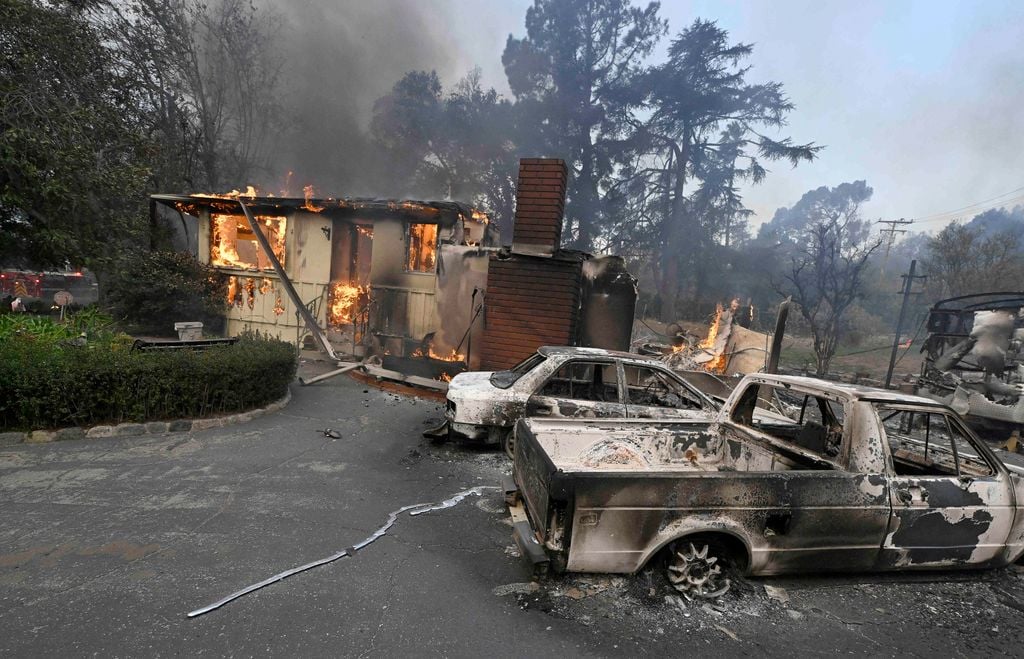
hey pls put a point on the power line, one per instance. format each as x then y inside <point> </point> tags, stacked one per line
<point>974,211</point>
<point>940,216</point>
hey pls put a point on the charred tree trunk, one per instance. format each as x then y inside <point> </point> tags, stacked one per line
<point>675,249</point>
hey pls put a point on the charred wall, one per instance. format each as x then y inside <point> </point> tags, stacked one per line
<point>532,301</point>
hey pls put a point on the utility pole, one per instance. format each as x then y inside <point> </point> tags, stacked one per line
<point>891,239</point>
<point>908,285</point>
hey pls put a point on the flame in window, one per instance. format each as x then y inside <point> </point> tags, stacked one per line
<point>422,248</point>
<point>234,245</point>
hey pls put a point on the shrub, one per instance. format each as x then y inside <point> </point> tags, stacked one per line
<point>52,385</point>
<point>94,324</point>
<point>151,291</point>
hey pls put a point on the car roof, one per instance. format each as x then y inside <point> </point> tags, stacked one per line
<point>578,351</point>
<point>853,391</point>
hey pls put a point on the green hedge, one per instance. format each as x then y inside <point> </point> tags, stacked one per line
<point>47,386</point>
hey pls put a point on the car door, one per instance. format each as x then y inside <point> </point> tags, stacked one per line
<point>809,509</point>
<point>654,393</point>
<point>579,389</point>
<point>952,504</point>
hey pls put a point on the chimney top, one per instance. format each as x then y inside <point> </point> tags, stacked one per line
<point>540,204</point>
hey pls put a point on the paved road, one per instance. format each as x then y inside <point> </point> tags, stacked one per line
<point>105,545</point>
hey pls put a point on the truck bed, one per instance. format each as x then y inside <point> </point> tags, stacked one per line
<point>643,445</point>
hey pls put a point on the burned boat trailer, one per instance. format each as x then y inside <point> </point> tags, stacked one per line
<point>974,362</point>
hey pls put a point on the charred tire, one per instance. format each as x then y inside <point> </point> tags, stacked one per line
<point>701,566</point>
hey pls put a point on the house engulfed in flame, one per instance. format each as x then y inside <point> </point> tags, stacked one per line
<point>424,285</point>
<point>371,271</point>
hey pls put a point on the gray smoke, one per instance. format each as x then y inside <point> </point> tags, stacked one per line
<point>338,58</point>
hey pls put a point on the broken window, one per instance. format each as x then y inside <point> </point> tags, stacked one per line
<point>814,423</point>
<point>233,243</point>
<point>591,381</point>
<point>505,379</point>
<point>421,248</point>
<point>929,444</point>
<point>653,388</point>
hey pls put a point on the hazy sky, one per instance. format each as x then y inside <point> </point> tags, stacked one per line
<point>925,100</point>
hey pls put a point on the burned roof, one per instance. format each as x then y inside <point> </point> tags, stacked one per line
<point>445,213</point>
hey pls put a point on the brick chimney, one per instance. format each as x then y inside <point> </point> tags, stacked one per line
<point>540,203</point>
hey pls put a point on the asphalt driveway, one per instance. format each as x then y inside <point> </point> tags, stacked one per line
<point>106,544</point>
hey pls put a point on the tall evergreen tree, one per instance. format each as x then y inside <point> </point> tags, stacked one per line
<point>707,122</point>
<point>574,77</point>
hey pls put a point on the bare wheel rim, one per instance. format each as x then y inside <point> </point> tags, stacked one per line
<point>508,442</point>
<point>696,572</point>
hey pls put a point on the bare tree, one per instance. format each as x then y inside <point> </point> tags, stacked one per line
<point>210,77</point>
<point>961,260</point>
<point>827,266</point>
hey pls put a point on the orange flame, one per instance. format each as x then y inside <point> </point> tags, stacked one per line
<point>344,301</point>
<point>433,354</point>
<point>225,239</point>
<point>422,252</point>
<point>709,340</point>
<point>718,364</point>
<point>444,377</point>
<point>307,191</point>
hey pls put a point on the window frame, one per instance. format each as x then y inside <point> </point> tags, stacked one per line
<point>705,403</point>
<point>407,235</point>
<point>538,391</point>
<point>839,462</point>
<point>953,422</point>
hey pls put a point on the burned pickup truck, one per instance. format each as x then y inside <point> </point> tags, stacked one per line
<point>795,474</point>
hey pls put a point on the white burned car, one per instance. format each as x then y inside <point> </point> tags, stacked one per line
<point>569,383</point>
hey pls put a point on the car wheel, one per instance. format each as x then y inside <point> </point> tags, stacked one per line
<point>508,442</point>
<point>694,569</point>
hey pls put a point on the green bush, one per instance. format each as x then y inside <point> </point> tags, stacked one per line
<point>48,385</point>
<point>96,326</point>
<point>150,291</point>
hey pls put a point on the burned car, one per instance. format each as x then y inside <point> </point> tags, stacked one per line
<point>569,383</point>
<point>794,475</point>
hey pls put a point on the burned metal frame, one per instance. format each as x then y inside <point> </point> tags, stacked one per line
<point>607,495</point>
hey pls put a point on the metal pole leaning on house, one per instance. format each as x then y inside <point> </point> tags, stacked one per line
<point>311,324</point>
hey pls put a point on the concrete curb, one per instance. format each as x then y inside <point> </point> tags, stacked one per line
<point>148,428</point>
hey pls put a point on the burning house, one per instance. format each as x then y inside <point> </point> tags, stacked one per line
<point>422,284</point>
<point>369,271</point>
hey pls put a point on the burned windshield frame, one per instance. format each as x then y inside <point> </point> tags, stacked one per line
<point>505,379</point>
